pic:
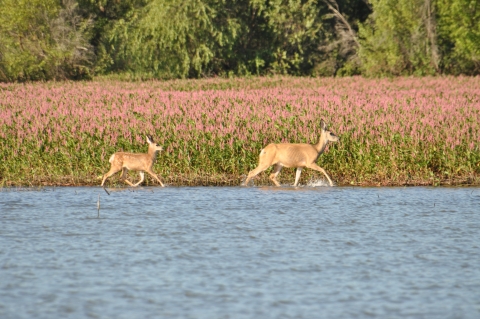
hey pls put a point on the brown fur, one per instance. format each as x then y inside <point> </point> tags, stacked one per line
<point>141,162</point>
<point>293,155</point>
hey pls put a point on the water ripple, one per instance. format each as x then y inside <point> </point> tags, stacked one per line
<point>252,252</point>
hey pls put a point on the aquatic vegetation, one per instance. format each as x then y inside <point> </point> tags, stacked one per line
<point>392,131</point>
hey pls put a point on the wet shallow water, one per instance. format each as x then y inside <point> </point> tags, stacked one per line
<point>232,252</point>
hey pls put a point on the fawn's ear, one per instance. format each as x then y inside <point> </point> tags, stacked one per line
<point>323,126</point>
<point>149,139</point>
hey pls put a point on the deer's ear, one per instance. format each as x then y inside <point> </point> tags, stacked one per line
<point>149,139</point>
<point>323,125</point>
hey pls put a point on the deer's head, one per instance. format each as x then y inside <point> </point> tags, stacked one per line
<point>152,146</point>
<point>329,135</point>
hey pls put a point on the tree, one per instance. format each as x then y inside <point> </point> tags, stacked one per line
<point>399,38</point>
<point>43,40</point>
<point>459,36</point>
<point>194,38</point>
<point>340,50</point>
<point>106,15</point>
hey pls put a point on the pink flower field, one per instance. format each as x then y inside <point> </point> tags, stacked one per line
<point>405,131</point>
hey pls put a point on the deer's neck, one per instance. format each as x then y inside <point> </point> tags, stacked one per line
<point>321,144</point>
<point>153,155</point>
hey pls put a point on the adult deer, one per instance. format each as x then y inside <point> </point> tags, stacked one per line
<point>293,155</point>
<point>141,162</point>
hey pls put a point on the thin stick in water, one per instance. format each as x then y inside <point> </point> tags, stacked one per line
<point>98,206</point>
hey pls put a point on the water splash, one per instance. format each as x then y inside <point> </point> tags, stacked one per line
<point>318,183</point>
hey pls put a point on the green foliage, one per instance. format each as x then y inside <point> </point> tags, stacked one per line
<point>395,39</point>
<point>43,40</point>
<point>170,39</point>
<point>105,14</point>
<point>291,32</point>
<point>143,39</point>
<point>64,133</point>
<point>459,36</point>
<point>421,37</point>
<point>196,38</point>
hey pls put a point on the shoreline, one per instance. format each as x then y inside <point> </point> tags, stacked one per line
<point>233,181</point>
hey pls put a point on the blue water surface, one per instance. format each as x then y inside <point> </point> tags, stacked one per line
<point>240,252</point>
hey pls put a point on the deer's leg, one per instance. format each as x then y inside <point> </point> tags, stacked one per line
<point>128,182</point>
<point>124,176</point>
<point>151,173</point>
<point>108,174</point>
<point>274,174</point>
<point>255,172</point>
<point>142,177</point>
<point>297,175</point>
<point>318,168</point>
<point>124,172</point>
<point>265,160</point>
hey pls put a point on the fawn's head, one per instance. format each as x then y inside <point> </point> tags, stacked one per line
<point>152,146</point>
<point>329,135</point>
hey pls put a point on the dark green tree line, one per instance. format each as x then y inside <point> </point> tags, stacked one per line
<point>77,39</point>
<point>421,37</point>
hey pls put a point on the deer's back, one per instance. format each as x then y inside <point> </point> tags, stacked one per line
<point>132,161</point>
<point>290,155</point>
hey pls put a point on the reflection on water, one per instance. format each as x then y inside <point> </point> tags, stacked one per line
<point>240,252</point>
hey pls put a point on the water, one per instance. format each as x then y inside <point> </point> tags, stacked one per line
<point>205,252</point>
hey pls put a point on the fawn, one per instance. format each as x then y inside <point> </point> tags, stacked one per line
<point>141,162</point>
